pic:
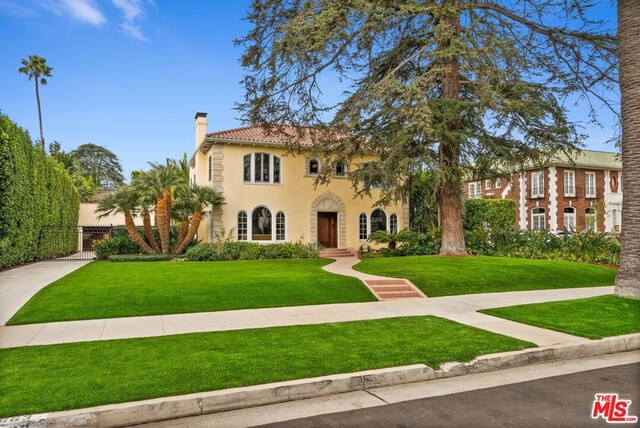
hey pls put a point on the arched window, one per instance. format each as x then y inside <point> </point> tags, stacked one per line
<point>570,218</point>
<point>261,224</point>
<point>363,235</point>
<point>341,169</point>
<point>378,220</point>
<point>590,219</point>
<point>538,220</point>
<point>261,168</point>
<point>280,227</point>
<point>242,226</point>
<point>314,166</point>
<point>393,223</point>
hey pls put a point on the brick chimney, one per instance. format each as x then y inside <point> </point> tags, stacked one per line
<point>201,127</point>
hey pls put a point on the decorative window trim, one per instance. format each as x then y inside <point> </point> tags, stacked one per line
<point>345,169</point>
<point>271,234</point>
<point>272,159</point>
<point>590,190</point>
<point>541,213</point>
<point>569,183</point>
<point>386,220</point>
<point>309,172</point>
<point>537,184</point>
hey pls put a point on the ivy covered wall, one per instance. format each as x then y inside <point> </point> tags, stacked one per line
<point>35,191</point>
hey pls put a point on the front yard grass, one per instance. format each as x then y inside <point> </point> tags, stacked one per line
<point>446,276</point>
<point>58,377</point>
<point>109,290</point>
<point>593,317</point>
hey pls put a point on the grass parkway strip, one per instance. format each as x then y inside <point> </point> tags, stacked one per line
<point>447,276</point>
<point>593,318</point>
<point>59,377</point>
<point>111,290</point>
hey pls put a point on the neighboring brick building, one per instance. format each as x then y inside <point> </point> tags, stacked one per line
<point>583,193</point>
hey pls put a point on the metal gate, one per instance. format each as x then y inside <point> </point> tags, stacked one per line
<point>71,242</point>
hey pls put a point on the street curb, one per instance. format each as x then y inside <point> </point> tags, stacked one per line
<point>166,408</point>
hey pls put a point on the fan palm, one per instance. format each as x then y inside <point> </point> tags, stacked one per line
<point>38,70</point>
<point>125,201</point>
<point>197,199</point>
<point>391,238</point>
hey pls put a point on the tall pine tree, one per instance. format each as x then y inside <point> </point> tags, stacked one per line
<point>449,85</point>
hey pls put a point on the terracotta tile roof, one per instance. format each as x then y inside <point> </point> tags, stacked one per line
<point>257,134</point>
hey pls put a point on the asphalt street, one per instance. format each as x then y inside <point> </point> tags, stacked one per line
<point>559,401</point>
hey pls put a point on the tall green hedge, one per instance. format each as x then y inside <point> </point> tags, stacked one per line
<point>35,191</point>
<point>497,213</point>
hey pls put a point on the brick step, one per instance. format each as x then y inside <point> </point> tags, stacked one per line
<point>384,288</point>
<point>337,252</point>
<point>398,294</point>
<point>386,282</point>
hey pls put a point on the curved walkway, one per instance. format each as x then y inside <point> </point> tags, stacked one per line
<point>384,288</point>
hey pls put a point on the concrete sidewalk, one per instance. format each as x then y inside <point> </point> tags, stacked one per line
<point>19,284</point>
<point>458,308</point>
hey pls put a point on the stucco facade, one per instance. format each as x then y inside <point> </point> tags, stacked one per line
<point>296,209</point>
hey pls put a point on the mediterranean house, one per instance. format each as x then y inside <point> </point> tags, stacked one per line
<point>271,194</point>
<point>584,192</point>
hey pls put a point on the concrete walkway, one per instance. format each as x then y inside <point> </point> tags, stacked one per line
<point>19,284</point>
<point>458,308</point>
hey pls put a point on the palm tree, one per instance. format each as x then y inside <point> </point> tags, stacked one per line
<point>125,201</point>
<point>628,278</point>
<point>37,69</point>
<point>391,238</point>
<point>161,181</point>
<point>197,199</point>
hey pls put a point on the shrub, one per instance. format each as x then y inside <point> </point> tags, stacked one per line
<point>494,213</point>
<point>118,245</point>
<point>35,191</point>
<point>230,250</point>
<point>142,258</point>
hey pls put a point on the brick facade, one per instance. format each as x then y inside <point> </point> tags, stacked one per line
<point>607,201</point>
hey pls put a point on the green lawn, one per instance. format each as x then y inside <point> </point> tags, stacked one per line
<point>593,318</point>
<point>108,290</point>
<point>445,276</point>
<point>58,377</point>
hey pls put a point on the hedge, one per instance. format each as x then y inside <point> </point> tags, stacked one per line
<point>35,191</point>
<point>496,213</point>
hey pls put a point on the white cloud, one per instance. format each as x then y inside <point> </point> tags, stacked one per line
<point>81,10</point>
<point>16,9</point>
<point>132,13</point>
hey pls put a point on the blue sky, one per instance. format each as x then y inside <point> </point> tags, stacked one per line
<point>130,74</point>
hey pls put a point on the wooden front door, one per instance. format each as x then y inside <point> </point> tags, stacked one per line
<point>327,229</point>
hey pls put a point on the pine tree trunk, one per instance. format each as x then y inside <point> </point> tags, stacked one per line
<point>161,218</point>
<point>184,228</point>
<point>148,231</point>
<point>628,278</point>
<point>39,113</point>
<point>449,151</point>
<point>134,235</point>
<point>193,229</point>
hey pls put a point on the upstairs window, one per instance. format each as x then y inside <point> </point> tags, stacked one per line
<point>569,183</point>
<point>378,220</point>
<point>474,190</point>
<point>499,183</point>
<point>537,184</point>
<point>341,169</point>
<point>314,166</point>
<point>210,169</point>
<point>590,184</point>
<point>487,184</point>
<point>261,168</point>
